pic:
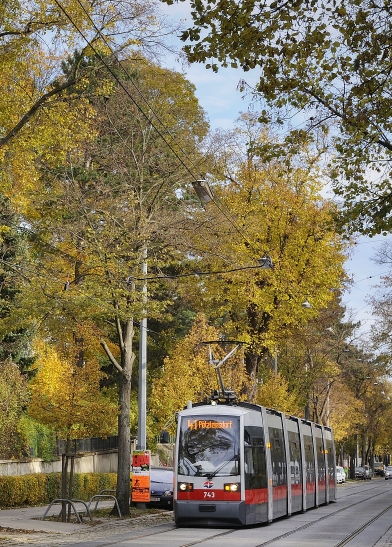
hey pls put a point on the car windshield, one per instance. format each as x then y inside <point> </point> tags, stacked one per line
<point>209,446</point>
<point>389,468</point>
<point>161,476</point>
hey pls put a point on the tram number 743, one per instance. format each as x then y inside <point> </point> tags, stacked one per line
<point>209,495</point>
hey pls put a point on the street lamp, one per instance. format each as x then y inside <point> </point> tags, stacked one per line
<point>203,191</point>
<point>266,262</point>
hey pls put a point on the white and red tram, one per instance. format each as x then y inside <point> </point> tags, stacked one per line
<point>245,464</point>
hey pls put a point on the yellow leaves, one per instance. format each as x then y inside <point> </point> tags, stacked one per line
<point>188,376</point>
<point>13,398</point>
<point>274,393</point>
<point>56,129</point>
<point>280,212</point>
<point>65,391</point>
<point>345,411</point>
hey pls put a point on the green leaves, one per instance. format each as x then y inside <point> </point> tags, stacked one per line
<point>332,61</point>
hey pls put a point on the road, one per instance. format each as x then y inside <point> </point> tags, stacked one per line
<point>361,517</point>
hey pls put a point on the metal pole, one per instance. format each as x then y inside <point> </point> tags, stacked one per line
<point>276,363</point>
<point>142,399</point>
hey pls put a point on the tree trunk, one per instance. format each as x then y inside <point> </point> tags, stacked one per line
<point>252,367</point>
<point>124,440</point>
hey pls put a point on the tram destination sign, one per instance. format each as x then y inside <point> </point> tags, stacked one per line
<point>209,424</point>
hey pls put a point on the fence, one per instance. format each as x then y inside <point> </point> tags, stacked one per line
<point>92,444</point>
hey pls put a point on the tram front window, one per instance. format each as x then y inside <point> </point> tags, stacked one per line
<point>209,446</point>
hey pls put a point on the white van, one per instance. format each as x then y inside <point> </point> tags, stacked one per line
<point>340,475</point>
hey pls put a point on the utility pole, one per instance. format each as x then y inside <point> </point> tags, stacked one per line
<point>276,363</point>
<point>142,399</point>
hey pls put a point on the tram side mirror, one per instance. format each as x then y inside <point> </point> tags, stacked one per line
<point>164,437</point>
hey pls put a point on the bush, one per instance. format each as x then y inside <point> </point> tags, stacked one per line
<point>39,440</point>
<point>41,489</point>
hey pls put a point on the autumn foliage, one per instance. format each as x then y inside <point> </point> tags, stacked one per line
<point>187,374</point>
<point>66,393</point>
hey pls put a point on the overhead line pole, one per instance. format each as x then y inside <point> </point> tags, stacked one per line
<point>142,398</point>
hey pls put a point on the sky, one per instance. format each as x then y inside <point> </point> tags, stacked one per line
<point>223,102</point>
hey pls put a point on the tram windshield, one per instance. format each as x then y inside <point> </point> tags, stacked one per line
<point>209,446</point>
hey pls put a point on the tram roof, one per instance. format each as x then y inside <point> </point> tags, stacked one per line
<point>221,408</point>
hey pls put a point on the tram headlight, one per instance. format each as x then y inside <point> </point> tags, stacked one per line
<point>185,486</point>
<point>232,487</point>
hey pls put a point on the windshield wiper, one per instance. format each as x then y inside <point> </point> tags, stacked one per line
<point>212,475</point>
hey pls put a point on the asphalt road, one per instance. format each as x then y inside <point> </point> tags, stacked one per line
<point>361,517</point>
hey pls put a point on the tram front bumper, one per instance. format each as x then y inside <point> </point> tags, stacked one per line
<point>188,513</point>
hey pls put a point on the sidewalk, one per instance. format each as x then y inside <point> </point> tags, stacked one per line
<point>28,518</point>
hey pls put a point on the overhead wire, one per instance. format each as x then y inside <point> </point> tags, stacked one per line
<point>114,75</point>
<point>227,216</point>
<point>371,276</point>
<point>37,272</point>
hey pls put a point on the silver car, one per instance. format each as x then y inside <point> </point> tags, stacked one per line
<point>388,472</point>
<point>340,475</point>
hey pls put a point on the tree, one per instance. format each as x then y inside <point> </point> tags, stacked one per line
<point>14,342</point>
<point>187,374</point>
<point>275,393</point>
<point>36,38</point>
<point>330,61</point>
<point>96,215</point>
<point>50,54</point>
<point>319,361</point>
<point>265,208</point>
<point>66,393</point>
<point>13,399</point>
<point>381,302</point>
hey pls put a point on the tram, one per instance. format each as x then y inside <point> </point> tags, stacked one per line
<point>239,464</point>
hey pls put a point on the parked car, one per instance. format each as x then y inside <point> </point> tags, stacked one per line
<point>161,487</point>
<point>388,472</point>
<point>340,475</point>
<point>379,469</point>
<point>363,472</point>
<point>359,473</point>
<point>368,472</point>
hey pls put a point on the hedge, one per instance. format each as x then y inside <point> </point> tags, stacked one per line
<point>41,489</point>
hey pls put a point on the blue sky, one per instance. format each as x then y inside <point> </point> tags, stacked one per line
<point>220,98</point>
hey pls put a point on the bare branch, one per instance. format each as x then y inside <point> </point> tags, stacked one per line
<point>113,360</point>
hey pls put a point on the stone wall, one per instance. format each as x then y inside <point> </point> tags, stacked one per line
<point>92,462</point>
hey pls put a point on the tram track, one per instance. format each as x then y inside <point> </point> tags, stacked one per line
<point>285,535</point>
<point>213,535</point>
<point>362,528</point>
<point>348,538</point>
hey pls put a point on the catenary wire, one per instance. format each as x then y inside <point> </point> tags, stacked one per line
<point>227,216</point>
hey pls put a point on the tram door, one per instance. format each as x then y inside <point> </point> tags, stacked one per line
<point>255,471</point>
<point>320,454</point>
<point>295,464</point>
<point>310,474</point>
<point>331,466</point>
<point>278,463</point>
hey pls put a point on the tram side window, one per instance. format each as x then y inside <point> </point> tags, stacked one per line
<point>309,459</point>
<point>278,457</point>
<point>330,458</point>
<point>295,458</point>
<point>254,450</point>
<point>320,459</point>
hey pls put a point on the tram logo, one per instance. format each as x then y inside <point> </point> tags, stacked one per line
<point>208,484</point>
